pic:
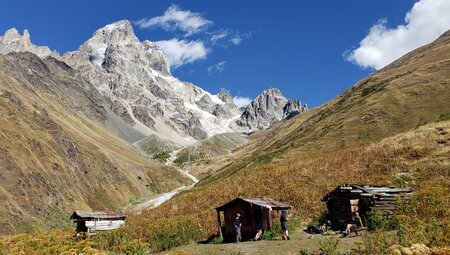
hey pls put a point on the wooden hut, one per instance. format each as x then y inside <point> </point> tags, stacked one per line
<point>252,211</point>
<point>94,221</point>
<point>347,199</point>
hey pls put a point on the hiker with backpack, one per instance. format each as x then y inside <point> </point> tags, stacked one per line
<point>284,224</point>
<point>237,228</point>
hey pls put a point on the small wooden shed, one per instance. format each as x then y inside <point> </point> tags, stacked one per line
<point>349,198</point>
<point>252,211</point>
<point>94,221</point>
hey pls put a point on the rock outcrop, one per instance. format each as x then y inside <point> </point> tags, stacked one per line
<point>12,41</point>
<point>268,108</point>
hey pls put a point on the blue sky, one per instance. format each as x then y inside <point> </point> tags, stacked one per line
<point>311,50</point>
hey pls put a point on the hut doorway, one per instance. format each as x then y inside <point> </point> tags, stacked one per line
<point>258,216</point>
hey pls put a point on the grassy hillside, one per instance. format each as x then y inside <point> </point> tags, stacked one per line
<point>417,159</point>
<point>157,148</point>
<point>54,158</point>
<point>207,151</point>
<point>410,92</point>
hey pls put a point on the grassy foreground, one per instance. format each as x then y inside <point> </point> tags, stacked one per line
<point>418,159</point>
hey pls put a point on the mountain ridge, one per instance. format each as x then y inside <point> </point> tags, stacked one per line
<point>135,79</point>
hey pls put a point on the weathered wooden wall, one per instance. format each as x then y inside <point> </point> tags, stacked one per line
<point>247,219</point>
<point>103,225</point>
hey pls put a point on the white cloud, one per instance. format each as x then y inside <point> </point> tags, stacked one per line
<point>423,23</point>
<point>241,101</point>
<point>227,37</point>
<point>180,52</point>
<point>219,67</point>
<point>236,40</point>
<point>221,34</point>
<point>176,19</point>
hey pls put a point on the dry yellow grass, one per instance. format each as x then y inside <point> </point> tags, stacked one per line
<point>303,182</point>
<point>418,159</point>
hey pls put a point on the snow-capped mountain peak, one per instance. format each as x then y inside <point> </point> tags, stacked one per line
<point>135,77</point>
<point>135,80</point>
<point>120,32</point>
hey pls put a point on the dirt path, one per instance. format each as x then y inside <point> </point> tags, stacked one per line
<point>171,159</point>
<point>299,242</point>
<point>163,197</point>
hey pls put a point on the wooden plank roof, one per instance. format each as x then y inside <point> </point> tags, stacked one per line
<point>80,214</point>
<point>260,201</point>
<point>379,189</point>
<point>373,191</point>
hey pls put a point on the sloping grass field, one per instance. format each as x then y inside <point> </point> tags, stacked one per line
<point>418,159</point>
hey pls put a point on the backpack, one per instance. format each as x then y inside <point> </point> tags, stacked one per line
<point>236,224</point>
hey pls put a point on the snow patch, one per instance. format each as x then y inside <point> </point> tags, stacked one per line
<point>116,25</point>
<point>215,99</point>
<point>98,53</point>
<point>210,123</point>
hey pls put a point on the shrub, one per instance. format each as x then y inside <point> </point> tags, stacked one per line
<point>384,221</point>
<point>444,117</point>
<point>269,234</point>
<point>293,224</point>
<point>319,218</point>
<point>217,240</point>
<point>379,242</point>
<point>329,246</point>
<point>304,252</point>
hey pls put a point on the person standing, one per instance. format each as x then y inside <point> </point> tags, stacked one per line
<point>237,228</point>
<point>284,225</point>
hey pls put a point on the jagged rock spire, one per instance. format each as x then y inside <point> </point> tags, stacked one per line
<point>267,108</point>
<point>12,41</point>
